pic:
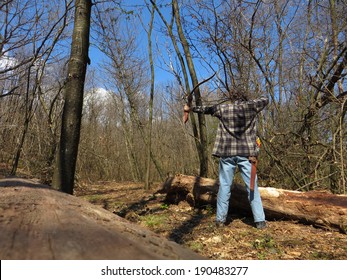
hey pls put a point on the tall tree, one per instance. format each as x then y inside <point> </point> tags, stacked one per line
<point>151,99</point>
<point>202,143</point>
<point>187,66</point>
<point>72,112</point>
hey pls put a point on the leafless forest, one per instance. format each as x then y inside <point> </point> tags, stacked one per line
<point>146,56</point>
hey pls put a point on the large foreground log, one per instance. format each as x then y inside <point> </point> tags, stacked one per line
<point>39,223</point>
<point>318,208</point>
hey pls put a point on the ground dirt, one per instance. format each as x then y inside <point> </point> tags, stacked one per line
<point>194,228</point>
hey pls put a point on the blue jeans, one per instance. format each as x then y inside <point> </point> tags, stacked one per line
<point>227,166</point>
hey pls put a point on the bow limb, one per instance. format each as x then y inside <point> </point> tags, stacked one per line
<point>186,108</point>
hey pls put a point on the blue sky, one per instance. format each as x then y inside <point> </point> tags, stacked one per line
<point>97,56</point>
<point>159,42</point>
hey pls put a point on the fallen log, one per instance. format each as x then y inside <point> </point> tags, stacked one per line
<point>318,208</point>
<point>37,222</point>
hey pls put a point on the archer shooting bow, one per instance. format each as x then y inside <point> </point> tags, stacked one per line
<point>252,159</point>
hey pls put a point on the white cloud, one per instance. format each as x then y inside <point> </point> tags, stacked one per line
<point>97,95</point>
<point>7,62</point>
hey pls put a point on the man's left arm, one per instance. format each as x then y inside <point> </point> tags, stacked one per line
<point>207,110</point>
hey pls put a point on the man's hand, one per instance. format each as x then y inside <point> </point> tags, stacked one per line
<point>186,110</point>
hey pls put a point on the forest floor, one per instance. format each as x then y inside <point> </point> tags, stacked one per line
<point>195,228</point>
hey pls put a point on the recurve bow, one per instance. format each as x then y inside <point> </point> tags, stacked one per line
<point>186,108</point>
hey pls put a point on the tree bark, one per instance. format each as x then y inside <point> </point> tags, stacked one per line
<point>72,112</point>
<point>39,223</point>
<point>151,101</point>
<point>321,209</point>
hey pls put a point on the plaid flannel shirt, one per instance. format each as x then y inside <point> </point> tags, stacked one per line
<point>237,130</point>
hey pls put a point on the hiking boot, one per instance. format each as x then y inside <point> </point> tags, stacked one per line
<point>260,225</point>
<point>220,224</point>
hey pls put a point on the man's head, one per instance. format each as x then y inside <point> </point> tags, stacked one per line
<point>237,94</point>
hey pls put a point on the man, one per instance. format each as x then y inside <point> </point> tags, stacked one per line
<point>236,146</point>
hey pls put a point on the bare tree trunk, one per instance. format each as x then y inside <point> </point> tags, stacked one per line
<point>29,101</point>
<point>202,143</point>
<point>72,112</point>
<point>341,148</point>
<point>150,117</point>
<point>128,132</point>
<point>183,68</point>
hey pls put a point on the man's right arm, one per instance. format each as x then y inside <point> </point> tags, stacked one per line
<point>261,102</point>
